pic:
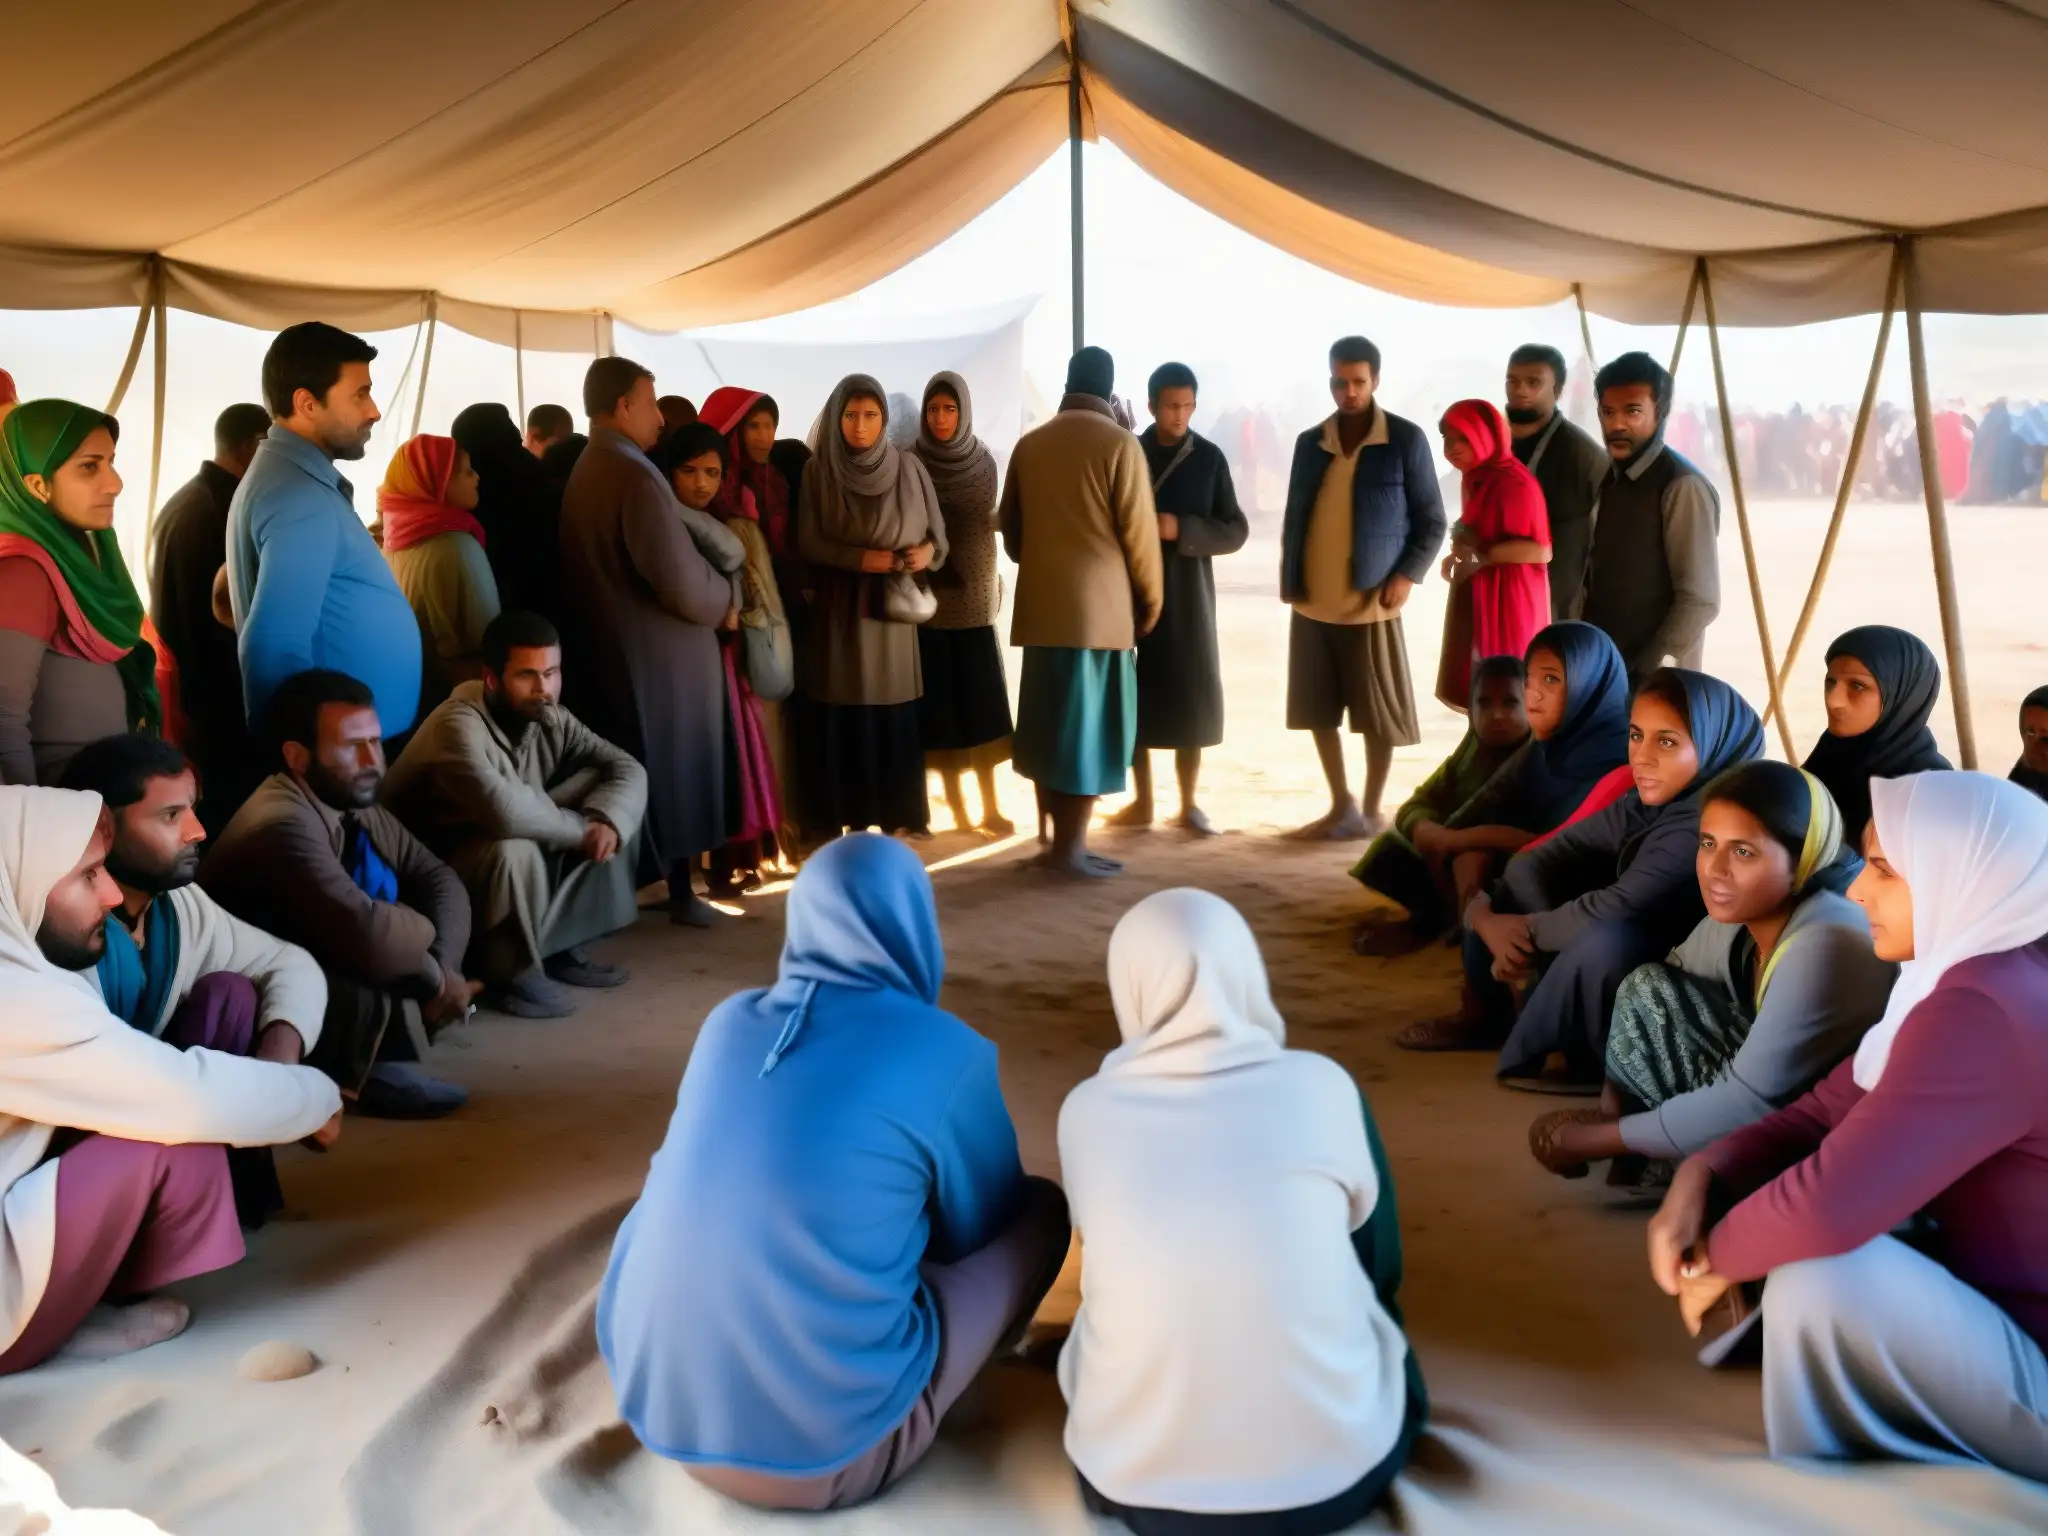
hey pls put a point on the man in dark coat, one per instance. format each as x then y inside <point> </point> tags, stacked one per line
<point>1180,676</point>
<point>1567,463</point>
<point>189,548</point>
<point>647,606</point>
<point>551,437</point>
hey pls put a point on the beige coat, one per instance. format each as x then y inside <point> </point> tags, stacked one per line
<point>1077,517</point>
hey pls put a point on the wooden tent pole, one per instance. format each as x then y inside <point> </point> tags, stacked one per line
<point>519,363</point>
<point>419,399</point>
<point>1692,293</point>
<point>1850,461</point>
<point>1937,514</point>
<point>161,361</point>
<point>1585,326</point>
<point>1077,252</point>
<point>1756,583</point>
<point>143,314</point>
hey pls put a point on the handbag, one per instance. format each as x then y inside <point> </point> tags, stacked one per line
<point>767,658</point>
<point>906,600</point>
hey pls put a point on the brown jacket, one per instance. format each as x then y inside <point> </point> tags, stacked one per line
<point>1078,519</point>
<point>278,865</point>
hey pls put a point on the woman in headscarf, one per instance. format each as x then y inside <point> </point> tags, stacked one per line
<point>1237,1361</point>
<point>518,510</point>
<point>1393,866</point>
<point>2031,771</point>
<point>1500,550</point>
<point>1882,686</point>
<point>74,663</point>
<point>1775,985</point>
<point>426,523</point>
<point>139,1196</point>
<point>1615,891</point>
<point>836,1234</point>
<point>964,716</point>
<point>869,515</point>
<point>1575,694</point>
<point>1872,1348</point>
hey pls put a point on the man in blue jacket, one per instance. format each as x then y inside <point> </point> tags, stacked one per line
<point>1364,522</point>
<point>309,586</point>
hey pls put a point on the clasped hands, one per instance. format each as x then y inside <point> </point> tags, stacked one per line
<point>886,562</point>
<point>1679,1261</point>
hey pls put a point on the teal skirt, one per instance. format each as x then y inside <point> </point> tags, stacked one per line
<point>1077,719</point>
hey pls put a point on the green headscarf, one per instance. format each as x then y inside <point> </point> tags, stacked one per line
<point>102,615</point>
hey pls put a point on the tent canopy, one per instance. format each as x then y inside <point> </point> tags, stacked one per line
<point>679,165</point>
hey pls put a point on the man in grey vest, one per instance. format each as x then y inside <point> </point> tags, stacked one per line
<point>1566,461</point>
<point>1653,580</point>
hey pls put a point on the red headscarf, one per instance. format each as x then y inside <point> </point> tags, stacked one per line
<point>9,395</point>
<point>1502,499</point>
<point>727,409</point>
<point>411,503</point>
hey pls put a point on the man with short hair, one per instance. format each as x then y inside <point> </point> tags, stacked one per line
<point>1077,518</point>
<point>1364,523</point>
<point>1653,577</point>
<point>1180,674</point>
<point>314,859</point>
<point>1567,463</point>
<point>646,607</point>
<point>532,808</point>
<point>310,588</point>
<point>188,549</point>
<point>551,437</point>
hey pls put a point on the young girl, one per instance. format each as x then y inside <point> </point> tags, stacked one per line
<point>1882,685</point>
<point>1500,546</point>
<point>2031,771</point>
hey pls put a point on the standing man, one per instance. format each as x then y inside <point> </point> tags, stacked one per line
<point>1567,463</point>
<point>309,585</point>
<point>189,550</point>
<point>1078,520</point>
<point>551,437</point>
<point>1364,522</point>
<point>1180,676</point>
<point>1653,581</point>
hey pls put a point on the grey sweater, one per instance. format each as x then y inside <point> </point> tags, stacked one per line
<point>1826,989</point>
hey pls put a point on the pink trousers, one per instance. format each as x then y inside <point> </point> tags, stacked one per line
<point>132,1215</point>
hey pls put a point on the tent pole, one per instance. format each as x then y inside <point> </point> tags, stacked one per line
<point>1585,326</point>
<point>1756,584</point>
<point>1937,513</point>
<point>1077,244</point>
<point>519,362</point>
<point>1849,463</point>
<point>419,399</point>
<point>1692,293</point>
<point>161,363</point>
<point>143,312</point>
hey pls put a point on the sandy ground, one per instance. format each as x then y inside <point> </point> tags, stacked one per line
<point>443,1273</point>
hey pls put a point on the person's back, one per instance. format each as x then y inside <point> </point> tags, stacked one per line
<point>1078,483</point>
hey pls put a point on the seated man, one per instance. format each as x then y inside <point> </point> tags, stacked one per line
<point>164,954</point>
<point>312,858</point>
<point>531,807</point>
<point>112,1181</point>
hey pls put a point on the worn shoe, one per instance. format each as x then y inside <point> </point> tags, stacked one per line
<point>692,911</point>
<point>532,995</point>
<point>575,968</point>
<point>399,1090</point>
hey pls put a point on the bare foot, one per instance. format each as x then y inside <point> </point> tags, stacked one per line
<point>1196,820</point>
<point>1136,814</point>
<point>915,834</point>
<point>1082,864</point>
<point>995,826</point>
<point>1348,825</point>
<point>108,1331</point>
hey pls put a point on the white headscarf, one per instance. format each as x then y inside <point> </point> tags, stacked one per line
<point>1973,850</point>
<point>43,834</point>
<point>1189,988</point>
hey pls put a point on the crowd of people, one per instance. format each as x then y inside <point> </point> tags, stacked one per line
<point>1811,1002</point>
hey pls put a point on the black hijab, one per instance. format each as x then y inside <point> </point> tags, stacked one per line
<point>520,511</point>
<point>1593,739</point>
<point>2029,778</point>
<point>1908,684</point>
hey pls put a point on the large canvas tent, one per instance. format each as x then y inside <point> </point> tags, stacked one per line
<point>527,172</point>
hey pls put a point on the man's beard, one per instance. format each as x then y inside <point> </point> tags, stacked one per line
<point>1631,446</point>
<point>68,953</point>
<point>182,871</point>
<point>357,794</point>
<point>1525,415</point>
<point>516,718</point>
<point>351,445</point>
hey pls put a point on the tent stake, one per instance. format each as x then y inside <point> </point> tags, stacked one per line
<point>1937,514</point>
<point>1077,248</point>
<point>419,399</point>
<point>1849,464</point>
<point>1756,583</point>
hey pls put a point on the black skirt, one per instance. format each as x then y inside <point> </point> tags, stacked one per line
<point>966,699</point>
<point>859,765</point>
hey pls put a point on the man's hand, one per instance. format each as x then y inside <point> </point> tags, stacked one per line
<point>1676,1230</point>
<point>281,1042</point>
<point>918,558</point>
<point>1169,526</point>
<point>454,998</point>
<point>1394,594</point>
<point>600,841</point>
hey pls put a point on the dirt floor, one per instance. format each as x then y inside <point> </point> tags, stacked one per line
<point>443,1273</point>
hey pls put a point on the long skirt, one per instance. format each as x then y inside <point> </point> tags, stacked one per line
<point>1672,1033</point>
<point>966,702</point>
<point>759,799</point>
<point>859,765</point>
<point>1497,612</point>
<point>1077,719</point>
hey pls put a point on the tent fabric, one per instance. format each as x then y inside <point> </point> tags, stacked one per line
<point>524,167</point>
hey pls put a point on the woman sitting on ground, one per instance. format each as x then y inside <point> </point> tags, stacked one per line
<point>112,1141</point>
<point>1238,1346</point>
<point>426,523</point>
<point>1882,687</point>
<point>1571,919</point>
<point>1575,693</point>
<point>1873,1348</point>
<point>1776,984</point>
<point>836,1234</point>
<point>2031,771</point>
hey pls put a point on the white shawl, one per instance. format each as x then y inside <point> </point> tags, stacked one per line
<point>1973,850</point>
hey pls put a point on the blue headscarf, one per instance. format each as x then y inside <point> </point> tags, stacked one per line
<point>1593,740</point>
<point>1724,729</point>
<point>860,915</point>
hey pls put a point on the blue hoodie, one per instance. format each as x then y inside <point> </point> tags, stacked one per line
<point>763,1307</point>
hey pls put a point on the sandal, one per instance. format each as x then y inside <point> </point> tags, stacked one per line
<point>1543,1131</point>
